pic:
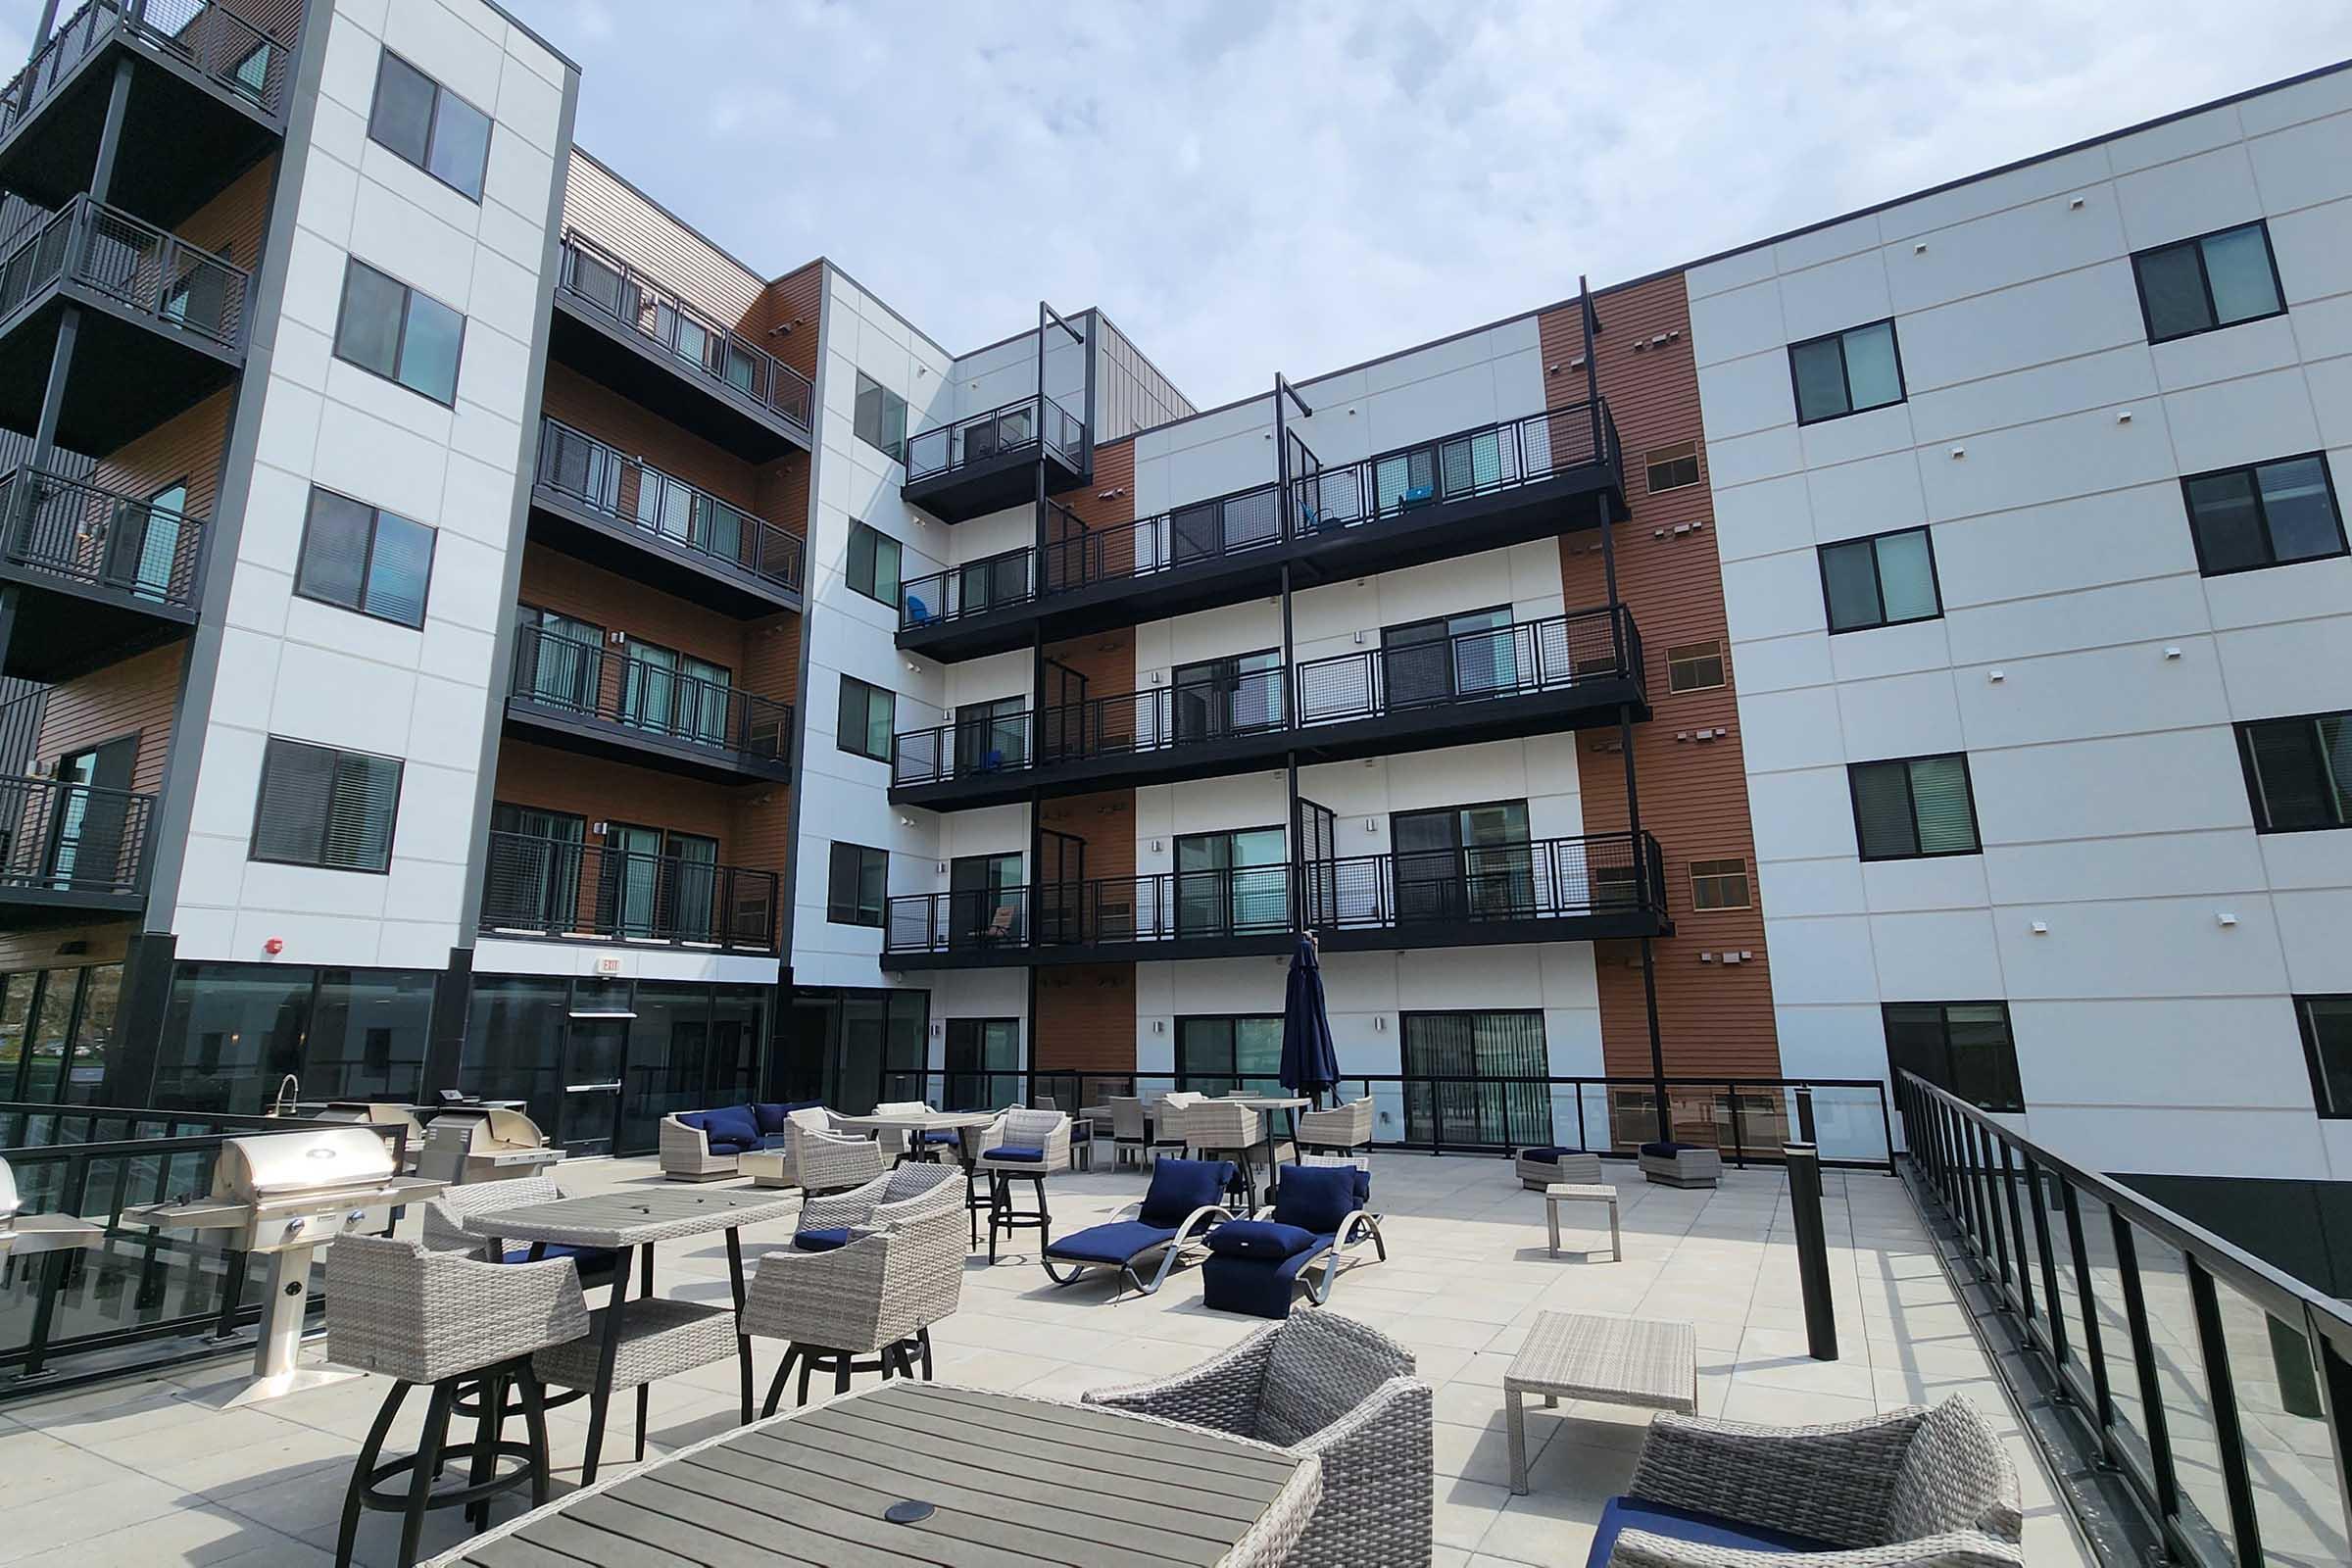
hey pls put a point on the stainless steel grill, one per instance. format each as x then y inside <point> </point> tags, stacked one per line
<point>483,1143</point>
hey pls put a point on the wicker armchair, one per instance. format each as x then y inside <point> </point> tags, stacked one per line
<point>1020,1145</point>
<point>1911,1488</point>
<point>877,1267</point>
<point>686,1154</point>
<point>422,1316</point>
<point>1341,1130</point>
<point>1324,1385</point>
<point>1219,1129</point>
<point>822,1161</point>
<point>893,1142</point>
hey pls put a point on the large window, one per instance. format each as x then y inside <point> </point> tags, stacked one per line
<point>880,419</point>
<point>873,564</point>
<point>392,329</point>
<point>984,1065</point>
<point>363,558</point>
<point>2298,772</point>
<point>57,1027</point>
<point>1460,862</point>
<point>233,1031</point>
<point>1847,372</point>
<point>1232,884</point>
<point>1463,1052</point>
<point>325,808</point>
<point>2267,514</point>
<point>430,126</point>
<point>1914,807</point>
<point>856,885</point>
<point>1963,1048</point>
<point>2326,1024</point>
<point>2212,282</point>
<point>868,714</point>
<point>1881,581</point>
<point>1215,1055</point>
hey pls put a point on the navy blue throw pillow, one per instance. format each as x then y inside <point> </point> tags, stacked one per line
<point>1180,1186</point>
<point>1315,1198</point>
<point>1260,1238</point>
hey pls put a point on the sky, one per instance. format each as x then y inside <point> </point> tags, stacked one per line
<point>1248,187</point>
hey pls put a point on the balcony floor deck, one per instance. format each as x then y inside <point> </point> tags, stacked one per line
<point>130,1473</point>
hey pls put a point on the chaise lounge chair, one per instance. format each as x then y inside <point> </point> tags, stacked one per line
<point>1184,1206</point>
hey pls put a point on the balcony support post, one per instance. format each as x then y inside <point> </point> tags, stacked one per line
<point>41,35</point>
<point>110,134</point>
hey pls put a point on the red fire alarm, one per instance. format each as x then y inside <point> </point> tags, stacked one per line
<point>275,946</point>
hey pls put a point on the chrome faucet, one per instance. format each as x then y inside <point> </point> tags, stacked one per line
<point>289,1090</point>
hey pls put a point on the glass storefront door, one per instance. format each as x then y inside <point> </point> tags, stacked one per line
<point>589,1118</point>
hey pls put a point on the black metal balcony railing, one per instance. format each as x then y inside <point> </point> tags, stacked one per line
<point>1597,874</point>
<point>1455,468</point>
<point>697,340</point>
<point>590,681</point>
<point>547,888</point>
<point>178,285</point>
<point>2214,1386</point>
<point>99,537</point>
<point>208,37</point>
<point>598,477</point>
<point>62,838</point>
<point>968,590</point>
<point>997,434</point>
<point>1466,670</point>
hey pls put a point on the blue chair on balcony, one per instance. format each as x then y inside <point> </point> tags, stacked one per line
<point>1183,1207</point>
<point>919,614</point>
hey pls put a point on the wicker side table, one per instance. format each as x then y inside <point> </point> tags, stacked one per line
<point>1614,1360</point>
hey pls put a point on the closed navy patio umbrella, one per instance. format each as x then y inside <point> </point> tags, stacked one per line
<point>1309,1064</point>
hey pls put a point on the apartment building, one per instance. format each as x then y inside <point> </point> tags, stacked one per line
<point>478,633</point>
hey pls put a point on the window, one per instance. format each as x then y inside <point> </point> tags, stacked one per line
<point>1885,581</point>
<point>1694,666</point>
<point>326,808</point>
<point>252,74</point>
<point>1674,468</point>
<point>874,564</point>
<point>2214,280</point>
<point>2298,772</point>
<point>1232,883</point>
<point>856,887</point>
<point>2268,514</point>
<point>364,559</point>
<point>880,420</point>
<point>1913,808</point>
<point>388,328</point>
<point>1847,372</point>
<point>1463,1050</point>
<point>1215,1055</point>
<point>1963,1048</point>
<point>1719,885</point>
<point>430,126</point>
<point>984,1063</point>
<point>2326,1024</point>
<point>868,715</point>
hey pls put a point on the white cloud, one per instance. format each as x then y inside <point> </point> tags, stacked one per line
<point>1246,187</point>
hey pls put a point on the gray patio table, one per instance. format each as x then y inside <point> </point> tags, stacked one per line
<point>930,1473</point>
<point>626,1222</point>
<point>1266,1105</point>
<point>914,1124</point>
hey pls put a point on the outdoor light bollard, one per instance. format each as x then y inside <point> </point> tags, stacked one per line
<point>1812,1249</point>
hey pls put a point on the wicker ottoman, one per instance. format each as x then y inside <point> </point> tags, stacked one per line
<point>1539,1168</point>
<point>1681,1165</point>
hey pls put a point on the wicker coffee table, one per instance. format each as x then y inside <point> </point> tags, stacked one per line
<point>1615,1361</point>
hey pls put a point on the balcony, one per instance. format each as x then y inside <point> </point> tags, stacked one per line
<point>163,324</point>
<point>102,575</point>
<point>68,850</point>
<point>986,462</point>
<point>1477,489</point>
<point>1599,887</point>
<point>1537,677</point>
<point>612,323</point>
<point>537,887</point>
<point>583,697</point>
<point>590,500</point>
<point>208,101</point>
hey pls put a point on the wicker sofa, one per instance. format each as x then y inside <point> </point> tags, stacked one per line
<point>701,1146</point>
<point>1910,1489</point>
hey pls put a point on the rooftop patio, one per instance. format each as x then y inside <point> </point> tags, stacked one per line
<point>131,1473</point>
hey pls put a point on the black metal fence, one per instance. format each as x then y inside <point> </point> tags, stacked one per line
<point>598,477</point>
<point>209,37</point>
<point>542,887</point>
<point>178,285</point>
<point>2215,1388</point>
<point>1453,468</point>
<point>593,681</point>
<point>72,838</point>
<point>977,586</point>
<point>733,364</point>
<point>100,537</point>
<point>1521,660</point>
<point>999,432</point>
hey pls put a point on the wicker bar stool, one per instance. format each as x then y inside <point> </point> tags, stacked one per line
<point>1129,1131</point>
<point>1022,1145</point>
<point>1218,1129</point>
<point>434,1318</point>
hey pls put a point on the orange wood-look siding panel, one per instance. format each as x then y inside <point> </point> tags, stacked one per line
<point>184,449</point>
<point>603,791</point>
<point>787,317</point>
<point>136,697</point>
<point>1085,1018</point>
<point>1713,1017</point>
<point>105,943</point>
<point>755,652</point>
<point>230,224</point>
<point>601,206</point>
<point>1115,472</point>
<point>608,416</point>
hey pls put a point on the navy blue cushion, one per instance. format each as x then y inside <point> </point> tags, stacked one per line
<point>698,1120</point>
<point>1258,1287</point>
<point>943,1138</point>
<point>1114,1243</point>
<point>1267,1240</point>
<point>773,1114</point>
<point>735,1123</point>
<point>1315,1198</point>
<point>1014,1151</point>
<point>1688,1524</point>
<point>1666,1150</point>
<point>729,1146</point>
<point>1547,1155</point>
<point>588,1259</point>
<point>822,1240</point>
<point>1180,1186</point>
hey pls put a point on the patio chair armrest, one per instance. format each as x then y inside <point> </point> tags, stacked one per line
<point>1358,1219</point>
<point>1221,1393</point>
<point>1379,1472</point>
<point>1959,1548</point>
<point>827,1162</point>
<point>838,1210</point>
<point>1185,1232</point>
<point>1830,1482</point>
<point>1127,1211</point>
